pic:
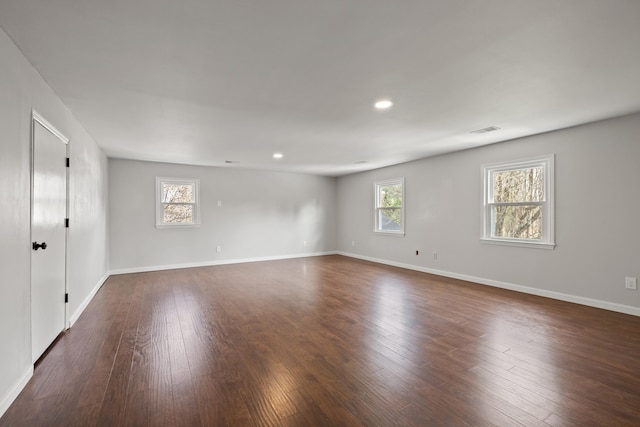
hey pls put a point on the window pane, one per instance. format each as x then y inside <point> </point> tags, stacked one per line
<point>177,214</point>
<point>389,219</point>
<point>177,193</point>
<point>519,185</point>
<point>519,222</point>
<point>390,195</point>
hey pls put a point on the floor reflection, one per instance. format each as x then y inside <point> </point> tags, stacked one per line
<point>391,340</point>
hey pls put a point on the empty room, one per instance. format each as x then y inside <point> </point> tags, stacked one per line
<point>335,213</point>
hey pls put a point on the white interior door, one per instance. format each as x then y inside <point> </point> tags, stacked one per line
<point>48,236</point>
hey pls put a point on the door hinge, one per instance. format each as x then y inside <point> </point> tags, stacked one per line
<point>66,222</point>
<point>66,298</point>
<point>67,162</point>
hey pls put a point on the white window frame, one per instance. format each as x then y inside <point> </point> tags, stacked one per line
<point>547,240</point>
<point>377,207</point>
<point>159,204</point>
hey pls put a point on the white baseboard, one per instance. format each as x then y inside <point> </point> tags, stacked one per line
<point>217,262</point>
<point>14,391</point>
<point>74,317</point>
<point>606,305</point>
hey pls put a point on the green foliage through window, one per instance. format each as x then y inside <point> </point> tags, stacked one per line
<point>391,196</point>
<point>389,206</point>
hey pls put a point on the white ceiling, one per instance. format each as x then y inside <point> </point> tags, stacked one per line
<point>206,81</point>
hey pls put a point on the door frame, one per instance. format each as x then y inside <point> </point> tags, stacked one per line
<point>36,119</point>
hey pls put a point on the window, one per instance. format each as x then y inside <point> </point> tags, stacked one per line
<point>389,206</point>
<point>177,202</point>
<point>518,203</point>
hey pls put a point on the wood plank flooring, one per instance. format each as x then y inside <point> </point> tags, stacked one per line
<point>332,341</point>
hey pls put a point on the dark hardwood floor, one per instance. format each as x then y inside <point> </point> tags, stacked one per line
<point>332,341</point>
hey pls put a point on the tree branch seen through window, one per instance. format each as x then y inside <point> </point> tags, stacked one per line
<point>518,202</point>
<point>177,202</point>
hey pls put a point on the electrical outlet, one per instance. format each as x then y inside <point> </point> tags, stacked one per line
<point>219,203</point>
<point>218,248</point>
<point>353,243</point>
<point>435,255</point>
<point>304,243</point>
<point>631,283</point>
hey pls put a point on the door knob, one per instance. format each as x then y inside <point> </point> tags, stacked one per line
<point>37,246</point>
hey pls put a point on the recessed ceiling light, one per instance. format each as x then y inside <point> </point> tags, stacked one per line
<point>485,130</point>
<point>277,155</point>
<point>383,104</point>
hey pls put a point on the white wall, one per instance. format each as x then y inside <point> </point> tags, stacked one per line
<point>263,215</point>
<point>21,90</point>
<point>597,211</point>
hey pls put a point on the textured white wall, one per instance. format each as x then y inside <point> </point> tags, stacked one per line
<point>21,90</point>
<point>597,211</point>
<point>263,214</point>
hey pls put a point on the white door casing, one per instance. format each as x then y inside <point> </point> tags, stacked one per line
<point>48,235</point>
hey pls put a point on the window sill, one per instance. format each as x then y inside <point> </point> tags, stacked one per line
<point>519,243</point>
<point>177,226</point>
<point>390,233</point>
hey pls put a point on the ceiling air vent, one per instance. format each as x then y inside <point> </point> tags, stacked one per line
<point>485,130</point>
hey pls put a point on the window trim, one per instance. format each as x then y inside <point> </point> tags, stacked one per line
<point>159,204</point>
<point>376,207</point>
<point>548,210</point>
